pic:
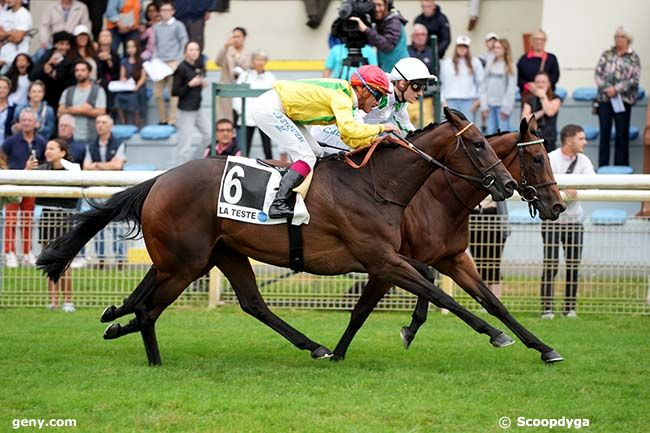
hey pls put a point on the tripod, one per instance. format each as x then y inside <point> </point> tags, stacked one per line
<point>354,60</point>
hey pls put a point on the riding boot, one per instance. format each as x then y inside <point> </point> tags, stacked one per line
<point>280,207</point>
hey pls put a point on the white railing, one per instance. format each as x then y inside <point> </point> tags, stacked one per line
<point>101,184</point>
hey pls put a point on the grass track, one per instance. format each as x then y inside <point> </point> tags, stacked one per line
<point>225,372</point>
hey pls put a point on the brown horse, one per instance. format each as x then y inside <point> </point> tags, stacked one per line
<point>435,231</point>
<point>355,227</point>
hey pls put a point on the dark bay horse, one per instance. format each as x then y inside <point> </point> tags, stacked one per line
<point>435,231</point>
<point>355,225</point>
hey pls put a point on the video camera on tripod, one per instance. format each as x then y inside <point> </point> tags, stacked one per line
<point>348,31</point>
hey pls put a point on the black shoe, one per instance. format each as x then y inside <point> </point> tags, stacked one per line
<point>280,207</point>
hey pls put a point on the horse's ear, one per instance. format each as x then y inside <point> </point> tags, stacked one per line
<point>449,115</point>
<point>532,124</point>
<point>523,127</point>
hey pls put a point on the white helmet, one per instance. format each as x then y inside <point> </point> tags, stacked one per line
<point>410,69</point>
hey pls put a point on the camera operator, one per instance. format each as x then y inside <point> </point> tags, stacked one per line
<point>389,36</point>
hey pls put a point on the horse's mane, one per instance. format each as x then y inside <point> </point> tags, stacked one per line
<point>434,125</point>
<point>497,134</point>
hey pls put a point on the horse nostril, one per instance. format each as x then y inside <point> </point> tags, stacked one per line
<point>511,186</point>
<point>558,208</point>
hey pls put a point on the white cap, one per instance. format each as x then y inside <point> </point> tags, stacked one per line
<point>491,35</point>
<point>409,69</point>
<point>81,29</point>
<point>463,40</point>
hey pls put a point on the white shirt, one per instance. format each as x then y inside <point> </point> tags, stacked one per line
<point>560,163</point>
<point>18,20</point>
<point>19,97</point>
<point>462,85</point>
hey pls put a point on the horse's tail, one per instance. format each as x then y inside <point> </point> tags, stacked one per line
<point>123,206</point>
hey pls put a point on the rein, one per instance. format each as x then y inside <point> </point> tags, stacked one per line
<point>527,192</point>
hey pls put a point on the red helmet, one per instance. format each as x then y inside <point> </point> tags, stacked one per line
<point>371,76</point>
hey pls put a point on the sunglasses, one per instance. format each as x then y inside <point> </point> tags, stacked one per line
<point>375,93</point>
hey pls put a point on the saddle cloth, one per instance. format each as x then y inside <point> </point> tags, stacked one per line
<point>248,189</point>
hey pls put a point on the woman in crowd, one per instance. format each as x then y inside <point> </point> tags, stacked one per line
<point>534,61</point>
<point>545,105</point>
<point>136,100</point>
<point>19,75</point>
<point>56,68</point>
<point>233,59</point>
<point>257,78</point>
<point>45,118</point>
<point>85,49</point>
<point>108,66</point>
<point>617,77</point>
<point>54,219</point>
<point>7,109</point>
<point>498,88</point>
<point>147,35</point>
<point>461,78</point>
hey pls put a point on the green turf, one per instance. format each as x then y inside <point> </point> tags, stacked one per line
<point>225,372</point>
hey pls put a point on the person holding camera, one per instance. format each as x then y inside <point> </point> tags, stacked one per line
<point>389,35</point>
<point>285,111</point>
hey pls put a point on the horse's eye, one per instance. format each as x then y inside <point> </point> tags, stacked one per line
<point>538,160</point>
<point>479,144</point>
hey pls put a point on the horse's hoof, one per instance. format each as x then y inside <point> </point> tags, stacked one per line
<point>502,340</point>
<point>337,358</point>
<point>108,314</point>
<point>407,337</point>
<point>551,356</point>
<point>322,352</point>
<point>112,331</point>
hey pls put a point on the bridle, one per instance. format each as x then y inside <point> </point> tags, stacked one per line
<point>486,181</point>
<point>527,192</point>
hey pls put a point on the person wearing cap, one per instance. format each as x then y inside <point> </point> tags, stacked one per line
<point>85,49</point>
<point>14,32</point>
<point>284,112</point>
<point>62,15</point>
<point>388,35</point>
<point>490,39</point>
<point>436,23</point>
<point>461,78</point>
<point>534,61</point>
<point>55,68</point>
<point>617,78</point>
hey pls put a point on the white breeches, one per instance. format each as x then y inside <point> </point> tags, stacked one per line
<point>270,117</point>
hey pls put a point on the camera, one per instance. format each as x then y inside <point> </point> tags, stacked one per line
<point>347,30</point>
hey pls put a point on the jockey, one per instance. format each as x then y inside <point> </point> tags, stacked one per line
<point>282,113</point>
<point>409,79</point>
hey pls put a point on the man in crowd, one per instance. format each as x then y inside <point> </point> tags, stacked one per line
<point>226,143</point>
<point>106,152</point>
<point>568,229</point>
<point>23,149</point>
<point>55,68</point>
<point>66,132</point>
<point>85,101</point>
<point>420,47</point>
<point>436,23</point>
<point>15,27</point>
<point>62,15</point>
<point>389,35</point>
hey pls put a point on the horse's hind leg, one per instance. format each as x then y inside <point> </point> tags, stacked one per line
<point>135,300</point>
<point>237,268</point>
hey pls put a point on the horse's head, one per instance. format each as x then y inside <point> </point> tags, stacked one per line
<point>474,160</point>
<point>536,181</point>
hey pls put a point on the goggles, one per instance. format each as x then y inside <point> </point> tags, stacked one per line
<point>416,85</point>
<point>375,93</point>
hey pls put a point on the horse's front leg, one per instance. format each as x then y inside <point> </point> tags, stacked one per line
<point>462,269</point>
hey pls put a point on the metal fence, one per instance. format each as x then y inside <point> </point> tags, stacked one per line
<point>613,274</point>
